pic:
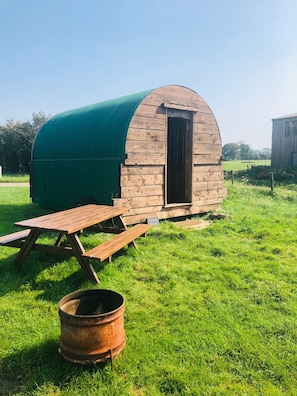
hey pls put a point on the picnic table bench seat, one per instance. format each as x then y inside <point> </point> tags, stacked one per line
<point>108,248</point>
<point>15,239</point>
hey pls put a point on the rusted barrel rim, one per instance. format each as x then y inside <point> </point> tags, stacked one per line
<point>91,292</point>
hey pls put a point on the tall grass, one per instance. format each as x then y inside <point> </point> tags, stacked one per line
<point>208,312</point>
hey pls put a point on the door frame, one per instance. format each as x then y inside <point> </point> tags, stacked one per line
<point>187,157</point>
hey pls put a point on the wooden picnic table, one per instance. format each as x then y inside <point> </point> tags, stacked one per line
<point>69,224</point>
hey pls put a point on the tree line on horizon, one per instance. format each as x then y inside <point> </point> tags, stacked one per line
<point>16,139</point>
<point>242,151</point>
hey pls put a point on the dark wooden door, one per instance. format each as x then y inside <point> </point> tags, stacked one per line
<point>179,162</point>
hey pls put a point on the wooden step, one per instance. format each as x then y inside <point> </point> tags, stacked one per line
<point>116,243</point>
<point>14,239</point>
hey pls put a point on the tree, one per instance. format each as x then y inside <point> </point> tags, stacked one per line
<point>240,150</point>
<point>266,153</point>
<point>245,151</point>
<point>16,139</point>
<point>230,151</point>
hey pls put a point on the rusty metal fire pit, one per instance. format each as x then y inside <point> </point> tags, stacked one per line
<point>92,326</point>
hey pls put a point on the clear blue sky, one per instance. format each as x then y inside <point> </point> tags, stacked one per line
<point>239,55</point>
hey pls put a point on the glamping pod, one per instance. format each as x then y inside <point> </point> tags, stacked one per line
<point>157,152</point>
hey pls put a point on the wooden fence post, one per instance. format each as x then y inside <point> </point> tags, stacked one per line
<point>232,176</point>
<point>271,181</point>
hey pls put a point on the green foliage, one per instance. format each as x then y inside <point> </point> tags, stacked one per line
<point>16,140</point>
<point>230,151</point>
<point>245,151</point>
<point>208,312</point>
<point>242,151</point>
<point>262,175</point>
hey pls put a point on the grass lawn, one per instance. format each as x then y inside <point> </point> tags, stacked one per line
<point>208,312</point>
<point>14,178</point>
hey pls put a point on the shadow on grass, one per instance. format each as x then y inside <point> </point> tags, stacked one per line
<point>13,213</point>
<point>12,278</point>
<point>16,279</point>
<point>30,369</point>
<point>53,291</point>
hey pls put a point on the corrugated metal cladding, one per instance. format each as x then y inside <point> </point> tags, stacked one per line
<point>77,154</point>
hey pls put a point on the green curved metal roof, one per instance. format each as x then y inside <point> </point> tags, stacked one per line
<point>94,131</point>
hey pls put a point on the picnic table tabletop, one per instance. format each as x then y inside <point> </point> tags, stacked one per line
<point>75,219</point>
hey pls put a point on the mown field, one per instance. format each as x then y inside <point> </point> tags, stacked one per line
<point>208,312</point>
<point>243,165</point>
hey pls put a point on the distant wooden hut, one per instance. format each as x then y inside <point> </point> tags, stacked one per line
<point>284,141</point>
<point>156,152</point>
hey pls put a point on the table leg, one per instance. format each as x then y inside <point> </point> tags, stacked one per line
<point>59,239</point>
<point>84,262</point>
<point>119,222</point>
<point>26,247</point>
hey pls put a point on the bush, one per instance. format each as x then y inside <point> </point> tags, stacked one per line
<point>261,175</point>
